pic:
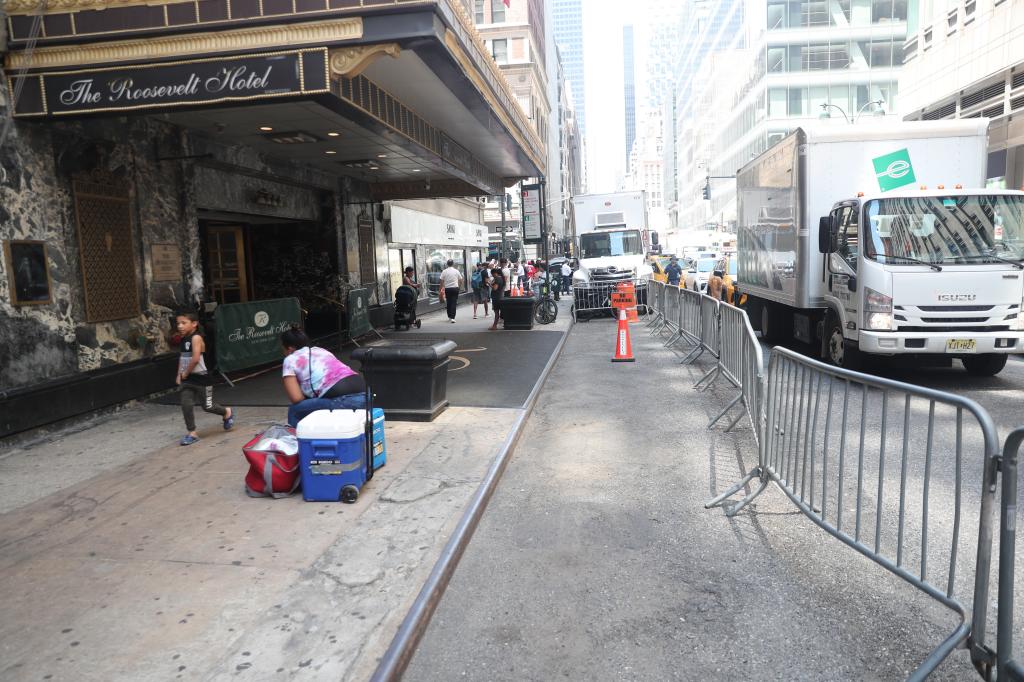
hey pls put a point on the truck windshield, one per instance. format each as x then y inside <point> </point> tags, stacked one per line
<point>956,229</point>
<point>617,243</point>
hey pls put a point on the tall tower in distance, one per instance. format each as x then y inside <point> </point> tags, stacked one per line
<point>629,85</point>
<point>568,22</point>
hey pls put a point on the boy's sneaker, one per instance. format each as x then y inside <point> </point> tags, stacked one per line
<point>189,439</point>
<point>229,423</point>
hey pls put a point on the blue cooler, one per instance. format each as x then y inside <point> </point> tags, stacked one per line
<point>380,451</point>
<point>332,455</point>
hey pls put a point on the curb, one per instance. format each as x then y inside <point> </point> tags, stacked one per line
<point>402,648</point>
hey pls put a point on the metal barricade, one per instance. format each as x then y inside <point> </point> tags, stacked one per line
<point>856,453</point>
<point>593,299</point>
<point>741,362</point>
<point>671,323</point>
<point>656,304</point>
<point>710,336</point>
<point>1008,667</point>
<point>690,322</point>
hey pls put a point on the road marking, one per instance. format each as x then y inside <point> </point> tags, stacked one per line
<point>465,361</point>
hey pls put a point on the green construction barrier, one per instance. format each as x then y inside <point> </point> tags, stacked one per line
<point>359,313</point>
<point>248,334</point>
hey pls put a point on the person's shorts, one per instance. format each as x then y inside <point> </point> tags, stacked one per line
<point>481,295</point>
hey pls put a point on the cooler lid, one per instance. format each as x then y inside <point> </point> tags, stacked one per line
<point>328,424</point>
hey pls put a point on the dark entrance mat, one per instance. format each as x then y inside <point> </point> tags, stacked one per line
<point>489,369</point>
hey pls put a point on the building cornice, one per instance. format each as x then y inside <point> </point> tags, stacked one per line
<point>234,40</point>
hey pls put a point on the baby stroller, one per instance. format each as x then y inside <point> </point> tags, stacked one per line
<point>405,307</point>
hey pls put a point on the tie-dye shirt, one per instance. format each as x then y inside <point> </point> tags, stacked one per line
<point>327,370</point>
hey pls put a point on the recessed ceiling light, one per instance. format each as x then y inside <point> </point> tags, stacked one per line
<point>415,170</point>
<point>266,129</point>
<point>330,151</point>
<point>333,134</point>
<point>374,167</point>
<point>382,156</point>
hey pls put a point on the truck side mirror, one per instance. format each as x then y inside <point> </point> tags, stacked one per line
<point>825,234</point>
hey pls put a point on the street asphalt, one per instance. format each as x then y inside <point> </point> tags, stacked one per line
<point>597,560</point>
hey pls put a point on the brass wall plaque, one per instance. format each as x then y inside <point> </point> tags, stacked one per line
<point>166,260</point>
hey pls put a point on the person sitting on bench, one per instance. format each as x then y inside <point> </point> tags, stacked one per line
<point>314,379</point>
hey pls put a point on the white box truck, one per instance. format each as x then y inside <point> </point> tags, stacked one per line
<point>613,237</point>
<point>883,240</point>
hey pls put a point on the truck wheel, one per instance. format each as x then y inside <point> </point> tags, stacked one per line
<point>987,365</point>
<point>839,352</point>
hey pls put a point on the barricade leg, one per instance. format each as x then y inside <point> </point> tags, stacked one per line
<point>725,411</point>
<point>734,508</point>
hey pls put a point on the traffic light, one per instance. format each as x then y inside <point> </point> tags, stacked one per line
<point>707,188</point>
<point>508,202</point>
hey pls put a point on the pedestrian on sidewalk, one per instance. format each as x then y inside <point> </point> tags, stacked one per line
<point>451,285</point>
<point>408,279</point>
<point>520,274</point>
<point>313,377</point>
<point>506,275</point>
<point>497,295</point>
<point>566,277</point>
<point>194,379</point>
<point>481,288</point>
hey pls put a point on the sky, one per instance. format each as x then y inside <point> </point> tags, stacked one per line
<point>602,48</point>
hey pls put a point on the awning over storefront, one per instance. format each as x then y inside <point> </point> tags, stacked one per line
<point>401,95</point>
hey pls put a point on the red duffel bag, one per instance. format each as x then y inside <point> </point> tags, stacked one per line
<point>273,458</point>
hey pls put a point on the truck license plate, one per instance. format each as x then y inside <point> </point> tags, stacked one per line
<point>961,346</point>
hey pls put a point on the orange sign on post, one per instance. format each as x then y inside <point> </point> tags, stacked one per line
<point>624,298</point>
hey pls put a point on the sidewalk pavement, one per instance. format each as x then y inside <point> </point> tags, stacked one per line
<point>127,557</point>
<point>597,561</point>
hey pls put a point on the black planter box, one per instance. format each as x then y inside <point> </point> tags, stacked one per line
<point>517,312</point>
<point>409,377</point>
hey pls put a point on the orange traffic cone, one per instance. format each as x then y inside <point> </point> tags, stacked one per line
<point>623,346</point>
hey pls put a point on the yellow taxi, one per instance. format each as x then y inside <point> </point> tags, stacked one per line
<point>723,281</point>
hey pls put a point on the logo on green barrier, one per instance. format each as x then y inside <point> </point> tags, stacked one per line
<point>894,170</point>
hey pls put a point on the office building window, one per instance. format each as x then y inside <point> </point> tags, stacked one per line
<point>497,11</point>
<point>499,49</point>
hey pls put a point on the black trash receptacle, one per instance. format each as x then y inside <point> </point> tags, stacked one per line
<point>409,377</point>
<point>517,312</point>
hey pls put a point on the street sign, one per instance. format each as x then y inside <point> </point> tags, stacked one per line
<point>531,214</point>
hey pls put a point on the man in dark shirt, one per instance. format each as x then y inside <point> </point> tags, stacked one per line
<point>674,272</point>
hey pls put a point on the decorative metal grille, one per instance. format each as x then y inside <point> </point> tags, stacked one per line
<point>106,247</point>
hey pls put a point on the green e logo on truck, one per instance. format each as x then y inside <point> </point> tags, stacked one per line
<point>894,170</point>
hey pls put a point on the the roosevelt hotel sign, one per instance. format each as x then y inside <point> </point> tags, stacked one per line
<point>202,81</point>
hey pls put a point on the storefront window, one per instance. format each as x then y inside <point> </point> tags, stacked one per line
<point>436,262</point>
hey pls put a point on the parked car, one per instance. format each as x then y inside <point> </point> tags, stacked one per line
<point>699,273</point>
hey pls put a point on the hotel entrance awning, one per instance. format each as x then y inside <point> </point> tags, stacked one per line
<point>401,95</point>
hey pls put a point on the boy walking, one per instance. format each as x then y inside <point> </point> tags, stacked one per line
<point>194,379</point>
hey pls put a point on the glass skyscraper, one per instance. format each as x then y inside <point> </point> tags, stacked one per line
<point>629,80</point>
<point>568,21</point>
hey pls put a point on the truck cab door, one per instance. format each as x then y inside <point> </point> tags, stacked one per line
<point>841,269</point>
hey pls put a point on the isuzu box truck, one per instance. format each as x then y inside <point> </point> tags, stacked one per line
<point>883,240</point>
<point>613,237</point>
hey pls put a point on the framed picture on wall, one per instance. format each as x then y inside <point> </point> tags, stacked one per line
<point>28,272</point>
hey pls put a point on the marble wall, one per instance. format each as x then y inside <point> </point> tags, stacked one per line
<point>37,163</point>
